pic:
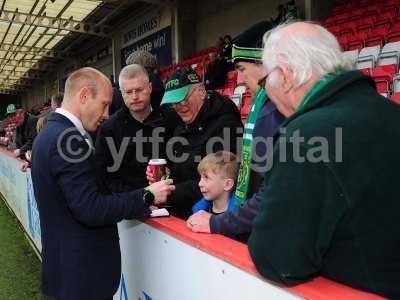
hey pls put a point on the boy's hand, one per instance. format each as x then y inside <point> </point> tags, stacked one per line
<point>199,222</point>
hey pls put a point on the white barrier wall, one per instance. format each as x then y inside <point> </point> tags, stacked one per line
<point>17,189</point>
<point>156,265</point>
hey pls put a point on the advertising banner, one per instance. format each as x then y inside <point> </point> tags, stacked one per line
<point>158,44</point>
<point>17,189</point>
<point>33,214</point>
<point>13,187</point>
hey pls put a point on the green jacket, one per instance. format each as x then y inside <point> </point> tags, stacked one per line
<point>335,219</point>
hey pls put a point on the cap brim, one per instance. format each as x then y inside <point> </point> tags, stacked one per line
<point>175,96</point>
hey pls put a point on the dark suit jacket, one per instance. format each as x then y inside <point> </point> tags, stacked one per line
<point>81,255</point>
<point>26,133</point>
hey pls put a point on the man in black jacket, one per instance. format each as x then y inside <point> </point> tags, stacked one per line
<point>132,136</point>
<point>208,123</point>
<point>215,75</point>
<point>25,133</point>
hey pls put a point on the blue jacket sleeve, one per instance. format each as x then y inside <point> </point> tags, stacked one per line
<point>76,177</point>
<point>202,204</point>
<point>238,222</point>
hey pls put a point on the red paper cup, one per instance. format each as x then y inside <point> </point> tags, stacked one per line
<point>157,168</point>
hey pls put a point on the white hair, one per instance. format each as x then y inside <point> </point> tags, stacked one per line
<point>130,72</point>
<point>303,53</point>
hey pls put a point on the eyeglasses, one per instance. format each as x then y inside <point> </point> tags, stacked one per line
<point>130,93</point>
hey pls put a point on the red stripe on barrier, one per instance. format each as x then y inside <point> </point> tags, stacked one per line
<point>237,254</point>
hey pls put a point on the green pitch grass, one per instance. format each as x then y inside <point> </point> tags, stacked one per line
<point>19,265</point>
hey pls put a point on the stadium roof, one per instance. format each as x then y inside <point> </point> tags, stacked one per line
<point>36,34</point>
<point>29,31</point>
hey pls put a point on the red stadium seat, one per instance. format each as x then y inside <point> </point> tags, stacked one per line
<point>357,41</point>
<point>386,18</point>
<point>356,14</point>
<point>394,33</point>
<point>389,69</point>
<point>340,19</point>
<point>335,30</point>
<point>246,106</point>
<point>232,75</point>
<point>366,23</point>
<point>364,3</point>
<point>350,27</point>
<point>383,80</point>
<point>392,2</point>
<point>339,9</point>
<point>230,84</point>
<point>377,35</point>
<point>390,7</point>
<point>228,91</point>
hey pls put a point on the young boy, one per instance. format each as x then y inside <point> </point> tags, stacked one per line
<point>218,173</point>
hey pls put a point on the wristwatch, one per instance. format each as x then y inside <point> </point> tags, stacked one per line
<point>148,197</point>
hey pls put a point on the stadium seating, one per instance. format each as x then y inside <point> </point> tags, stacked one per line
<point>394,33</point>
<point>383,80</point>
<point>246,105</point>
<point>367,30</point>
<point>370,32</point>
<point>396,84</point>
<point>390,55</point>
<point>352,56</point>
<point>368,57</point>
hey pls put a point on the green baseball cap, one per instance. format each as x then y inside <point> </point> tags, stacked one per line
<point>11,109</point>
<point>177,86</point>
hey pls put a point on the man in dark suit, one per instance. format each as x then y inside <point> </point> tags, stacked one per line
<point>81,255</point>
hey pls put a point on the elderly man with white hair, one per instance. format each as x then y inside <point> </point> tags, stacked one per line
<point>332,203</point>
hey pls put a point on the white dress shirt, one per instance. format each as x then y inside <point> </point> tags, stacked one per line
<point>77,123</point>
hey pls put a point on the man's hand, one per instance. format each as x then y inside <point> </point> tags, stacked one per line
<point>161,190</point>
<point>17,153</point>
<point>199,222</point>
<point>152,207</point>
<point>24,166</point>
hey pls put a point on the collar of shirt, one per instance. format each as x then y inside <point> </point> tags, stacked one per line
<point>77,123</point>
<point>73,119</point>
